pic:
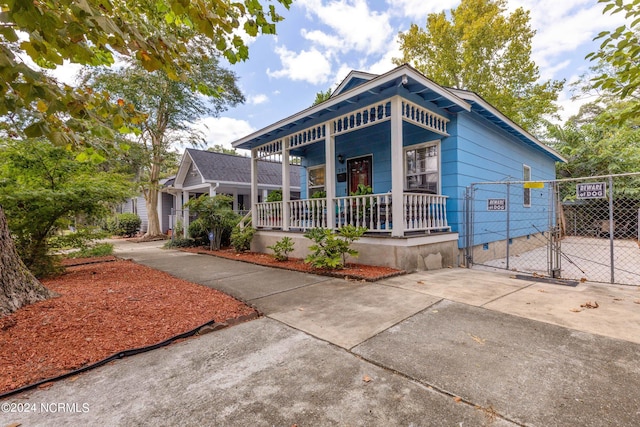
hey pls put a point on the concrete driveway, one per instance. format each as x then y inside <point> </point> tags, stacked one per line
<point>451,347</point>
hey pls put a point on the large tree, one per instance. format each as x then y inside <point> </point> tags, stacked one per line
<point>171,107</point>
<point>43,187</point>
<point>619,59</point>
<point>480,48</point>
<point>91,32</point>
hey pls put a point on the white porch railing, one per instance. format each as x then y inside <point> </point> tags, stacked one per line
<point>308,213</point>
<point>423,212</point>
<point>372,211</point>
<point>269,215</point>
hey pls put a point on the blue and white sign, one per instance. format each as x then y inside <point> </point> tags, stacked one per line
<point>496,204</point>
<point>591,190</point>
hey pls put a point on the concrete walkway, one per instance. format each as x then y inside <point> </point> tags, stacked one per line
<point>451,347</point>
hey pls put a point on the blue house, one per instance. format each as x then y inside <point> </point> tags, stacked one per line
<point>394,153</point>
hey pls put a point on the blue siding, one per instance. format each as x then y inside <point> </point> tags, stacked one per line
<point>475,151</point>
<point>486,153</point>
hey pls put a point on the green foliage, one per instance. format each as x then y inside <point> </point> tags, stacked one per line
<point>478,47</point>
<point>43,190</point>
<point>595,145</point>
<point>97,250</point>
<point>322,96</point>
<point>620,51</point>
<point>125,224</point>
<point>319,195</point>
<point>216,214</point>
<point>362,190</point>
<point>282,248</point>
<point>219,148</point>
<point>171,106</point>
<point>160,35</point>
<point>79,239</point>
<point>274,196</point>
<point>180,242</point>
<point>198,232</point>
<point>241,238</point>
<point>330,249</point>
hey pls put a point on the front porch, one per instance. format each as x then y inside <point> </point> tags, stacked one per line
<point>424,213</point>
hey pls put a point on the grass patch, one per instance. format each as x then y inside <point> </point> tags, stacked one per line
<point>100,249</point>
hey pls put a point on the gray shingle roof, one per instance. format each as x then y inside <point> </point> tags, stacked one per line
<point>227,167</point>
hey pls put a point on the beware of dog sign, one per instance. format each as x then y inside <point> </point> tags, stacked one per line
<point>591,190</point>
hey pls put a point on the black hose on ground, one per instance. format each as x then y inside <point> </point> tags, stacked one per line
<point>115,356</point>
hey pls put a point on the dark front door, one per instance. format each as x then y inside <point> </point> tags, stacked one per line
<point>359,172</point>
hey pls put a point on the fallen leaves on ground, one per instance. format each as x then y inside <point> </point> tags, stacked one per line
<point>589,304</point>
<point>366,378</point>
<point>103,309</point>
<point>477,339</point>
<point>575,310</point>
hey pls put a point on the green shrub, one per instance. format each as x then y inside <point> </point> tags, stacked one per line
<point>98,250</point>
<point>274,196</point>
<point>282,249</point>
<point>79,239</point>
<point>125,224</point>
<point>179,242</point>
<point>241,238</point>
<point>217,215</point>
<point>198,232</point>
<point>330,249</point>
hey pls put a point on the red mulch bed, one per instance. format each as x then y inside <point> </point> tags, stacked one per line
<point>103,309</point>
<point>369,273</point>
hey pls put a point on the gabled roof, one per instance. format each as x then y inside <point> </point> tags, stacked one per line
<point>229,168</point>
<point>385,85</point>
<point>353,79</point>
<point>359,87</point>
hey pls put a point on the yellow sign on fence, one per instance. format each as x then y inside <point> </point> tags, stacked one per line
<point>534,184</point>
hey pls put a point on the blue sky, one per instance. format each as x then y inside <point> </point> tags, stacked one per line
<point>320,41</point>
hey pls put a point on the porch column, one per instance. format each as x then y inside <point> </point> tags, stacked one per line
<point>330,174</point>
<point>212,190</point>
<point>286,192</point>
<point>254,188</point>
<point>235,200</point>
<point>397,169</point>
<point>185,214</point>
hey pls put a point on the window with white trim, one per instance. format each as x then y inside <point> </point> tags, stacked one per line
<point>526,193</point>
<point>315,180</point>
<point>422,168</point>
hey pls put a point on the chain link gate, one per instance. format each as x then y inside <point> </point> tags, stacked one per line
<point>578,229</point>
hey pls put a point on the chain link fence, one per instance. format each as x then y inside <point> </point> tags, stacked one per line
<point>579,229</point>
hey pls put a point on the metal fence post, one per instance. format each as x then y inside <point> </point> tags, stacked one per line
<point>611,227</point>
<point>508,218</point>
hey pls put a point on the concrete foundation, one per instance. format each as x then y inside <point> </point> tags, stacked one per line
<point>415,253</point>
<point>498,249</point>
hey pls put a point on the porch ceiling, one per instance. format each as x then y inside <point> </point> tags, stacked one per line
<point>404,81</point>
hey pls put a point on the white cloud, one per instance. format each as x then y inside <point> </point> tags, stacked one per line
<point>355,25</point>
<point>309,66</point>
<point>562,28</point>
<point>385,63</point>
<point>419,9</point>
<point>222,130</point>
<point>258,99</point>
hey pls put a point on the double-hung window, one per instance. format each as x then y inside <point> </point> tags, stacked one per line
<point>526,194</point>
<point>422,168</point>
<point>315,179</point>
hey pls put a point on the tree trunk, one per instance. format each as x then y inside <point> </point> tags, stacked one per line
<point>151,195</point>
<point>18,287</point>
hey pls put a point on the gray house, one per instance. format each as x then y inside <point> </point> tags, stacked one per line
<point>206,172</point>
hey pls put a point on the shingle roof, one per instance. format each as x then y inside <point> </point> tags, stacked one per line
<point>227,167</point>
